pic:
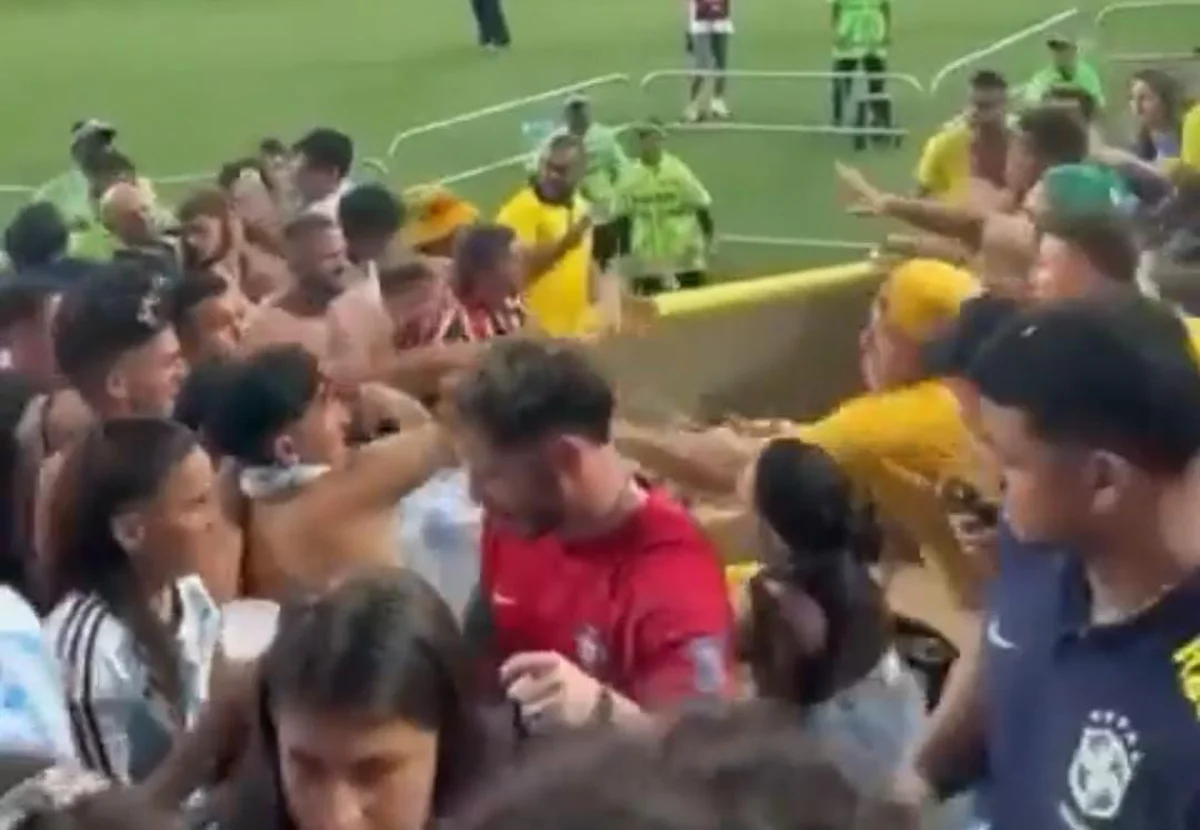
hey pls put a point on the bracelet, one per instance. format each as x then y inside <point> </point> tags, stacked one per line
<point>602,714</point>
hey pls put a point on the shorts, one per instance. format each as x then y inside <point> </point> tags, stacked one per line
<point>709,50</point>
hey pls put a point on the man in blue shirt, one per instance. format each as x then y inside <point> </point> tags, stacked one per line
<point>1080,707</point>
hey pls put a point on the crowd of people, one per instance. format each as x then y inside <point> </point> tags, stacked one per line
<point>322,516</point>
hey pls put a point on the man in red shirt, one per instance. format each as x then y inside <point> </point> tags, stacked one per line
<point>599,597</point>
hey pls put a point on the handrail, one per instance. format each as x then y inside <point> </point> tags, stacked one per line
<point>1003,43</point>
<point>505,106</point>
<point>775,74</point>
<point>1130,5</point>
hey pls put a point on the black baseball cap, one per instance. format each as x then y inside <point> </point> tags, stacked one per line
<point>1116,373</point>
<point>1058,42</point>
<point>979,318</point>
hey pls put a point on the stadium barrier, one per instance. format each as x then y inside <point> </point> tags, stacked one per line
<point>1154,51</point>
<point>683,364</point>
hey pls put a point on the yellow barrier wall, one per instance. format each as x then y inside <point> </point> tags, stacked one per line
<point>782,346</point>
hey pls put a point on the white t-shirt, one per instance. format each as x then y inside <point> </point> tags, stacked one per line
<point>120,723</point>
<point>710,17</point>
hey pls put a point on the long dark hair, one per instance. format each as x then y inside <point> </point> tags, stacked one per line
<point>119,463</point>
<point>1175,102</point>
<point>383,644</point>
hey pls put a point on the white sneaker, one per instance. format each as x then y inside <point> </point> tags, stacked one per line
<point>691,113</point>
<point>718,108</point>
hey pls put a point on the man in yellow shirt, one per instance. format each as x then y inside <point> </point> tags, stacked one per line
<point>898,441</point>
<point>553,225</point>
<point>971,148</point>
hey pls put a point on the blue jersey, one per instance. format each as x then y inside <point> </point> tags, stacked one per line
<point>1088,726</point>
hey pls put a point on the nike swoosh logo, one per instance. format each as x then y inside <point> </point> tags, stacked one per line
<point>996,638</point>
<point>503,599</point>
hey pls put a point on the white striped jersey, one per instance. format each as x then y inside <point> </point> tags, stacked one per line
<point>120,723</point>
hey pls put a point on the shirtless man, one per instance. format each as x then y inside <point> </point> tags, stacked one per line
<point>1005,242</point>
<point>321,272</point>
<point>316,510</point>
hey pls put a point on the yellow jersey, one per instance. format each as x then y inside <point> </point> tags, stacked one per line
<point>560,299</point>
<point>944,171</point>
<point>1189,142</point>
<point>899,446</point>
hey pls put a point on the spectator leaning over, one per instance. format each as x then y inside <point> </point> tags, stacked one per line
<point>321,170</point>
<point>599,599</point>
<point>368,714</point>
<point>669,216</point>
<point>566,293</point>
<point>969,150</point>
<point>897,442</point>
<point>127,214</point>
<point>1066,67</point>
<point>1082,696</point>
<point>1003,241</point>
<point>606,165</point>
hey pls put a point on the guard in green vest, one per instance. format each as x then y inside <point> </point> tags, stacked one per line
<point>861,36</point>
<point>671,228</point>
<point>1066,68</point>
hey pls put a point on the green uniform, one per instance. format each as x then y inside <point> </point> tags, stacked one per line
<point>606,164</point>
<point>860,27</point>
<point>661,203</point>
<point>69,193</point>
<point>1085,77</point>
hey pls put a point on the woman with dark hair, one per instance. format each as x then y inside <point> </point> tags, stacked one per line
<point>820,635</point>
<point>1159,103</point>
<point>367,718</point>
<point>134,628</point>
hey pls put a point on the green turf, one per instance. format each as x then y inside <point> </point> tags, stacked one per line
<point>193,82</point>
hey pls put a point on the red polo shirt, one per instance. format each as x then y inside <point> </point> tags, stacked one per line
<point>643,609</point>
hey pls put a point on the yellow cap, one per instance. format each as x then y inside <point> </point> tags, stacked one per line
<point>434,213</point>
<point>922,295</point>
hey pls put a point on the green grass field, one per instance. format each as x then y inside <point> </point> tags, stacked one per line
<point>194,82</point>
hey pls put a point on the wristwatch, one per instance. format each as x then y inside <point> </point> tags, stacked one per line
<point>602,714</point>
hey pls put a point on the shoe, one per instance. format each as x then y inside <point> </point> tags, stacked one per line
<point>718,109</point>
<point>691,113</point>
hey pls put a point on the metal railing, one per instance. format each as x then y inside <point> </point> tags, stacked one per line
<point>1103,21</point>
